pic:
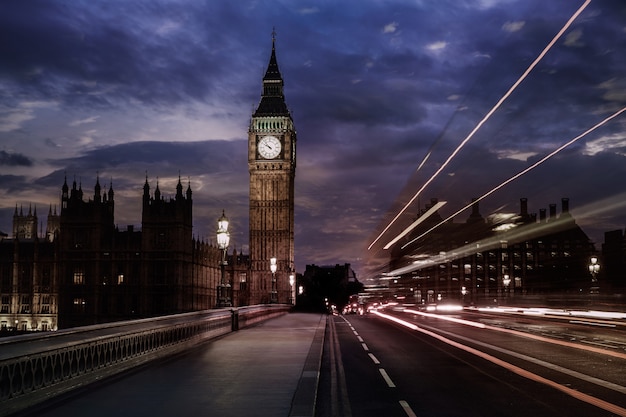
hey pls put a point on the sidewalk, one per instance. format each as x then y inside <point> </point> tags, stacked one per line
<point>267,370</point>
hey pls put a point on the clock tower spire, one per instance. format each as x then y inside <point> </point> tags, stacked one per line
<point>272,166</point>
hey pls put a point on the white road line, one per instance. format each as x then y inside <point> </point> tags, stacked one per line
<point>365,347</point>
<point>386,378</point>
<point>407,409</point>
<point>360,339</point>
<point>374,359</point>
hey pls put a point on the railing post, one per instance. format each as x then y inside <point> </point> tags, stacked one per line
<point>235,319</point>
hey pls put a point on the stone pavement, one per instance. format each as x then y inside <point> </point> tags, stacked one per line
<point>268,370</point>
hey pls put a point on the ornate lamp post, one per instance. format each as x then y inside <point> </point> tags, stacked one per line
<point>273,267</point>
<point>506,280</point>
<point>292,295</point>
<point>223,239</point>
<point>594,268</point>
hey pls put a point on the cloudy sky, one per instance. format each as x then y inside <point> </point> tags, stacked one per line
<point>120,88</point>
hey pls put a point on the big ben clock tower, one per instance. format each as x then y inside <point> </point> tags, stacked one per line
<point>272,165</point>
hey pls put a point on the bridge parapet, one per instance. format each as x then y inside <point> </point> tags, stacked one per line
<point>38,367</point>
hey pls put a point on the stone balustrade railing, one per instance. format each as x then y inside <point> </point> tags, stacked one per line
<point>40,366</point>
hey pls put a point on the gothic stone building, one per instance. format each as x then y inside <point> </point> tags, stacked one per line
<point>84,270</point>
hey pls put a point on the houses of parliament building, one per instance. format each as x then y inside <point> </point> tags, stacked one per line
<point>84,270</point>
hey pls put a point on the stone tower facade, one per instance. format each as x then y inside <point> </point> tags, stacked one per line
<point>272,166</point>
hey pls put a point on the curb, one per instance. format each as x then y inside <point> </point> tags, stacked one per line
<point>305,397</point>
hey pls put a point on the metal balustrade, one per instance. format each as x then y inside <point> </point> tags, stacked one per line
<point>37,367</point>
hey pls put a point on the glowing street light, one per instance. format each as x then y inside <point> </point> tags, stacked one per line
<point>506,280</point>
<point>292,295</point>
<point>594,268</point>
<point>223,239</point>
<point>273,268</point>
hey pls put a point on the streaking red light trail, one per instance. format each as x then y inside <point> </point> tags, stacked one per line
<point>589,399</point>
<point>486,117</point>
<point>519,174</point>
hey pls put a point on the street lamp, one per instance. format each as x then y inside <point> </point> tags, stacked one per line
<point>594,268</point>
<point>506,280</point>
<point>223,238</point>
<point>292,296</point>
<point>273,267</point>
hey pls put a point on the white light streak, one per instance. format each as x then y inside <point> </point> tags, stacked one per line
<point>487,116</point>
<point>519,174</point>
<point>413,225</point>
<point>448,318</point>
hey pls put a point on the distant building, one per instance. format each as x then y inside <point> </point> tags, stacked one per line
<point>613,267</point>
<point>28,278</point>
<point>323,286</point>
<point>485,259</point>
<point>84,270</point>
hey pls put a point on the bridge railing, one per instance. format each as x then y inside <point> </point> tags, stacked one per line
<point>37,367</point>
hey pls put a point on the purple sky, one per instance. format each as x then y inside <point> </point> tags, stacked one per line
<point>118,88</point>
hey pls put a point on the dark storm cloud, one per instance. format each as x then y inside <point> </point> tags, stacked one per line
<point>13,183</point>
<point>146,52</point>
<point>161,158</point>
<point>13,159</point>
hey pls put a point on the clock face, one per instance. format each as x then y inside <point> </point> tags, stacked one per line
<point>269,147</point>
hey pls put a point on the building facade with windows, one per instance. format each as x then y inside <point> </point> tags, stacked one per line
<point>481,260</point>
<point>83,270</point>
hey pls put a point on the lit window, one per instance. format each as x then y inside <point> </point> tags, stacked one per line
<point>25,304</point>
<point>120,279</point>
<point>79,278</point>
<point>79,305</point>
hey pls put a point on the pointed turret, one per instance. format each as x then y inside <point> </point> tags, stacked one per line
<point>64,194</point>
<point>111,191</point>
<point>157,192</point>
<point>97,196</point>
<point>189,190</point>
<point>272,100</point>
<point>146,191</point>
<point>179,189</point>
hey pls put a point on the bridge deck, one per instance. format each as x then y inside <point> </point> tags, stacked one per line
<point>253,372</point>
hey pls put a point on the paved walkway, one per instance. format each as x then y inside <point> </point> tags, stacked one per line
<point>268,370</point>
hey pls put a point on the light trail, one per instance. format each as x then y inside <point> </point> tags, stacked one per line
<point>447,318</point>
<point>487,116</point>
<point>519,174</point>
<point>413,225</point>
<point>587,398</point>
